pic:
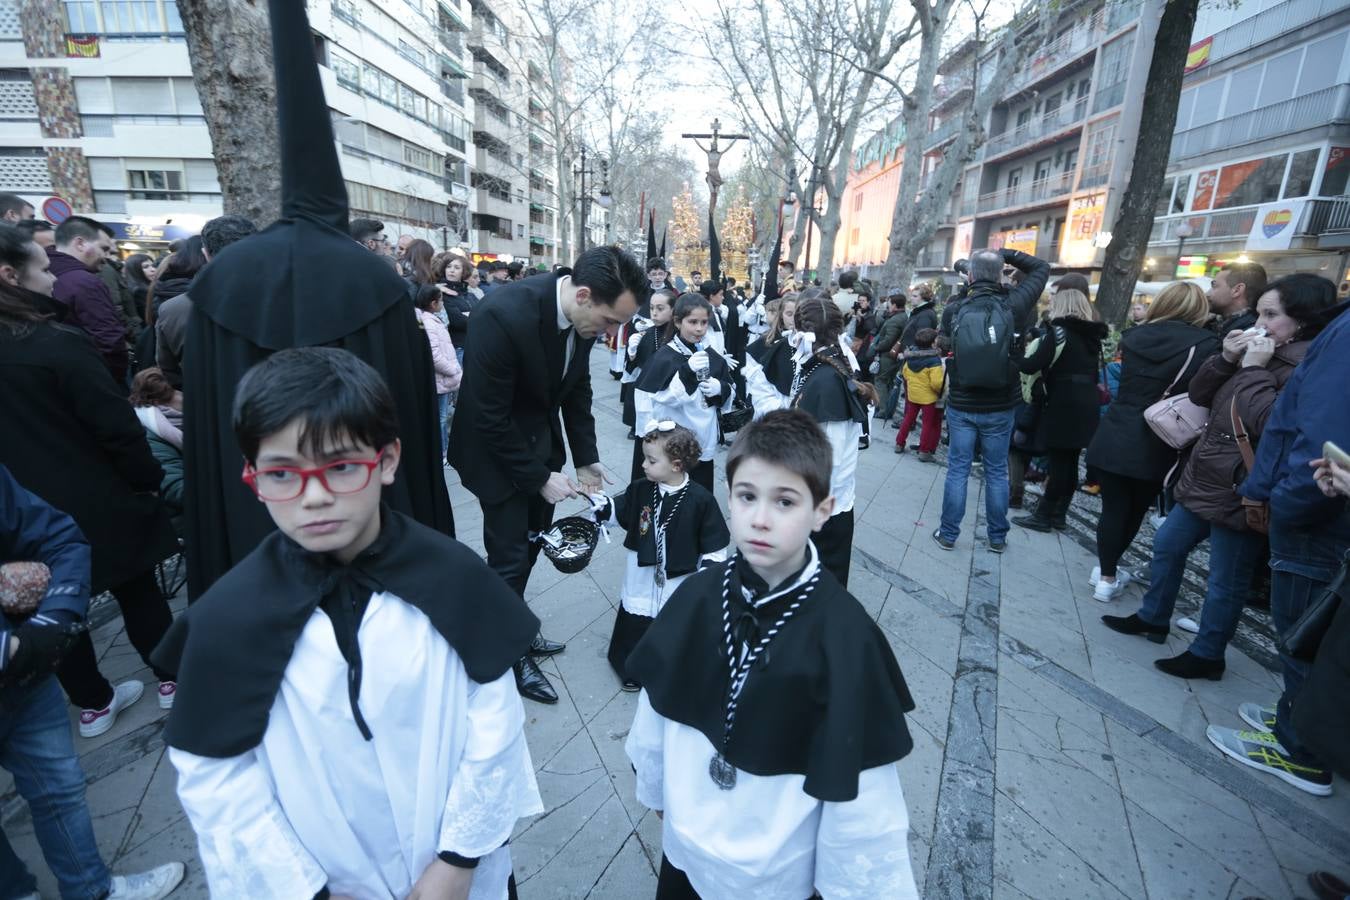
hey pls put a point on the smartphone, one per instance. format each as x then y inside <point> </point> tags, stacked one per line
<point>1336,454</point>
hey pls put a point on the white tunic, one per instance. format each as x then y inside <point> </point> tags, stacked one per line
<point>314,804</point>
<point>766,838</point>
<point>674,402</point>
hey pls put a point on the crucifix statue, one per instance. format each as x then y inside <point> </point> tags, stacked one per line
<point>714,176</point>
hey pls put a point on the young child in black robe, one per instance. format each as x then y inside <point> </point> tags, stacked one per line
<point>641,348</point>
<point>671,526</point>
<point>772,709</point>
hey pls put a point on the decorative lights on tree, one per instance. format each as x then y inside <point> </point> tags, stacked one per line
<point>686,233</point>
<point>738,235</point>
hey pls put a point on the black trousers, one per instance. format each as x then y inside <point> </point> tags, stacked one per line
<point>637,460</point>
<point>1125,502</point>
<point>1061,480</point>
<point>506,536</point>
<point>673,884</point>
<point>146,615</point>
<point>704,474</point>
<point>835,543</point>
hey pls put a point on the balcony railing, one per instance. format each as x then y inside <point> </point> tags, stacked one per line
<point>1035,129</point>
<point>1058,52</point>
<point>943,133</point>
<point>1270,23</point>
<point>104,124</point>
<point>1287,116</point>
<point>1224,224</point>
<point>1022,194</point>
<point>1325,216</point>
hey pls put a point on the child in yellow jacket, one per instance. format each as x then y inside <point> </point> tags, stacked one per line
<point>924,374</point>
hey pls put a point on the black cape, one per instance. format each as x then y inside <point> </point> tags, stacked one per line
<point>646,349</point>
<point>697,526</point>
<point>668,362</point>
<point>828,396</point>
<point>301,282</point>
<point>231,648</point>
<point>776,360</point>
<point>826,701</point>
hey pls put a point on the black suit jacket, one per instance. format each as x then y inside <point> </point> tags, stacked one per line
<point>507,435</point>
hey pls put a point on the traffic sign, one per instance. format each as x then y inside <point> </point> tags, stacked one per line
<point>56,210</point>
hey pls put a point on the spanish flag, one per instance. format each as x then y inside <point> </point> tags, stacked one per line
<point>1198,55</point>
<point>82,45</point>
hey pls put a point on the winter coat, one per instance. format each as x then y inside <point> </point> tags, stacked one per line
<point>920,317</point>
<point>1239,321</point>
<point>1214,469</point>
<point>1068,416</point>
<point>85,303</point>
<point>443,359</point>
<point>923,379</point>
<point>457,310</point>
<point>72,439</point>
<point>123,299</point>
<point>888,335</point>
<point>1151,356</point>
<point>164,432</point>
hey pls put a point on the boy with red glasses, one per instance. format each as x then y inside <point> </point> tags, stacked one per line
<point>347,722</point>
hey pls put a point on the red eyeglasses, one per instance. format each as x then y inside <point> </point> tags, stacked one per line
<point>277,484</point>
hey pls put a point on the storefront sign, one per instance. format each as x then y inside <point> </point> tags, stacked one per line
<point>1085,221</point>
<point>1023,239</point>
<point>1192,266</point>
<point>155,234</point>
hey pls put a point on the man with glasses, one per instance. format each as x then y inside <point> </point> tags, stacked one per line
<point>369,233</point>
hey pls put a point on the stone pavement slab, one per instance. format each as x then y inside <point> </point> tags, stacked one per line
<point>1051,760</point>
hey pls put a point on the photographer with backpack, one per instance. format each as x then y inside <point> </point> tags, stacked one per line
<point>985,387</point>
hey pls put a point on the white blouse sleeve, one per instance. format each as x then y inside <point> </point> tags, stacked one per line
<point>862,848</point>
<point>247,845</point>
<point>642,409</point>
<point>646,751</point>
<point>494,785</point>
<point>763,395</point>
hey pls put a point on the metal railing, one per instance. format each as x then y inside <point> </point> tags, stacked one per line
<point>1034,192</point>
<point>1058,52</point>
<point>1107,97</point>
<point>943,133</point>
<point>103,124</point>
<point>116,201</point>
<point>1271,23</point>
<point>1221,224</point>
<point>1035,129</point>
<point>1286,116</point>
<point>1325,216</point>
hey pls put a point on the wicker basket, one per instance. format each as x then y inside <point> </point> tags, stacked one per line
<point>570,543</point>
<point>735,418</point>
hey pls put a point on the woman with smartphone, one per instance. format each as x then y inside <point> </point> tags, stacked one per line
<point>1239,386</point>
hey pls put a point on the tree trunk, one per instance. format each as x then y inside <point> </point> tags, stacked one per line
<point>231,49</point>
<point>1129,237</point>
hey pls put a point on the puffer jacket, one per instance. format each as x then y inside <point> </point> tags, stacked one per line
<point>1208,484</point>
<point>924,374</point>
<point>443,359</point>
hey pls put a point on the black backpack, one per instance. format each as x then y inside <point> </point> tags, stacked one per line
<point>982,342</point>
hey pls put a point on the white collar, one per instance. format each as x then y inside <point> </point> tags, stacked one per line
<point>668,489</point>
<point>563,322</point>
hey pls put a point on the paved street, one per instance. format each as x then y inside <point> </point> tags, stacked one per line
<point>1051,759</point>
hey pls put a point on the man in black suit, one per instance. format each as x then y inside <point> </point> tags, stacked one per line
<point>527,362</point>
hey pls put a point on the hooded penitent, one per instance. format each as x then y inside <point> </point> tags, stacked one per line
<point>301,282</point>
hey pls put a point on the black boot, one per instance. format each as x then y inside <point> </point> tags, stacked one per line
<point>1132,624</point>
<point>1188,665</point>
<point>1038,521</point>
<point>531,681</point>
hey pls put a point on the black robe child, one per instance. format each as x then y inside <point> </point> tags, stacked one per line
<point>301,282</point>
<point>827,701</point>
<point>694,527</point>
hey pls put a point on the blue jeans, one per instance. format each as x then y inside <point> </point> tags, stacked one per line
<point>443,419</point>
<point>1232,563</point>
<point>1303,561</point>
<point>36,748</point>
<point>992,431</point>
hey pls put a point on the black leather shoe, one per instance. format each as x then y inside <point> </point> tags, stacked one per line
<point>1132,624</point>
<point>532,683</point>
<point>544,647</point>
<point>1327,886</point>
<point>1188,665</point>
<point>1034,522</point>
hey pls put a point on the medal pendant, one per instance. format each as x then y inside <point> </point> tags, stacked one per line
<point>660,578</point>
<point>722,773</point>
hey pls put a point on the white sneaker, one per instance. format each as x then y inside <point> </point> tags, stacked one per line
<point>1157,521</point>
<point>152,885</point>
<point>1106,591</point>
<point>94,722</point>
<point>1122,576</point>
<point>1187,624</point>
<point>167,691</point>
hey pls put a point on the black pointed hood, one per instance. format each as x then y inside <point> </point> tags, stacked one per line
<point>302,281</point>
<point>715,251</point>
<point>771,276</point>
<point>651,235</point>
<point>662,252</point>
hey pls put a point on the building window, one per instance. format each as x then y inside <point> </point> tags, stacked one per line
<point>346,69</point>
<point>1301,173</point>
<point>155,184</point>
<point>121,17</point>
<point>1183,190</point>
<point>520,231</point>
<point>1251,182</point>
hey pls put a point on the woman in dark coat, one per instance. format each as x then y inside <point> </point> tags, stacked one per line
<point>1068,358</point>
<point>175,277</point>
<point>72,439</point>
<point>1242,382</point>
<point>1167,349</point>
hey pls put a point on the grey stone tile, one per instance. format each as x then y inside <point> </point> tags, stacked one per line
<point>591,683</point>
<point>1034,860</point>
<point>608,731</point>
<point>569,858</point>
<point>1124,668</point>
<point>920,780</point>
<point>1173,866</point>
<point>570,606</point>
<point>629,875</point>
<point>921,630</point>
<point>173,844</point>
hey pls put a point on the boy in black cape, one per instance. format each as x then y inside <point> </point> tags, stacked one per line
<point>772,708</point>
<point>346,720</point>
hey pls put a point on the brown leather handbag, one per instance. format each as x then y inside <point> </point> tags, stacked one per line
<point>1256,511</point>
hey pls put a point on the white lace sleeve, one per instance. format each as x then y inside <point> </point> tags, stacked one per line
<point>494,785</point>
<point>247,846</point>
<point>862,848</point>
<point>763,395</point>
<point>646,750</point>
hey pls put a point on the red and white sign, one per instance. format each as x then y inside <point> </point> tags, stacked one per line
<point>56,210</point>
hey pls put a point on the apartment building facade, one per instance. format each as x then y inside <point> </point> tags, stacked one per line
<point>1261,154</point>
<point>100,110</point>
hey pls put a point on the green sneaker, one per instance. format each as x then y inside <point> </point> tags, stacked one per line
<point>1262,718</point>
<point>1260,750</point>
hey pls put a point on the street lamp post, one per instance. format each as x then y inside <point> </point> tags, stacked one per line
<point>581,173</point>
<point>1183,231</point>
